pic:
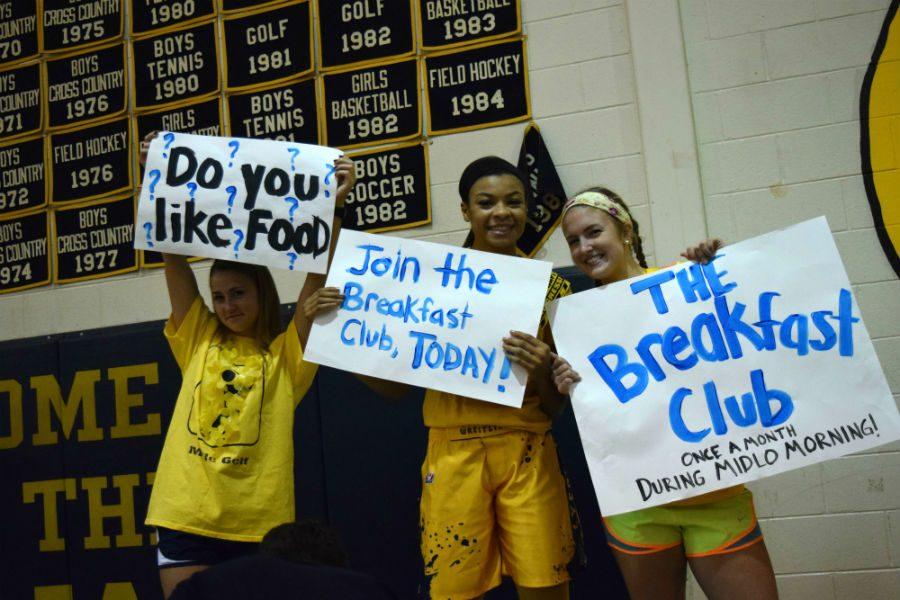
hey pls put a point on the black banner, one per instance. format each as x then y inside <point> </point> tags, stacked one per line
<point>153,16</point>
<point>23,182</point>
<point>67,25</point>
<point>20,100</point>
<point>18,30</point>
<point>90,162</point>
<point>94,241</point>
<point>392,190</point>
<point>176,66</point>
<point>444,24</point>
<point>354,32</point>
<point>479,87</point>
<point>85,87</point>
<point>24,260</point>
<point>372,105</point>
<point>268,46</point>
<point>287,113</point>
<point>547,192</point>
<point>235,5</point>
<point>201,118</point>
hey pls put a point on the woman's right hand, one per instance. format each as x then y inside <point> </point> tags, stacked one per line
<point>323,300</point>
<point>564,376</point>
<point>145,146</point>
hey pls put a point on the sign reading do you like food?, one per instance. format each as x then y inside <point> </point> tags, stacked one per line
<point>253,201</point>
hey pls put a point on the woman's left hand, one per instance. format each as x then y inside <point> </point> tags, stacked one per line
<point>704,251</point>
<point>346,178</point>
<point>528,351</point>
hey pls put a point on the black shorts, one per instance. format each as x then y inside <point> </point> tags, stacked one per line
<point>180,549</point>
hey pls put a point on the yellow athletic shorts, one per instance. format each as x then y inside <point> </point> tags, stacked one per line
<point>717,527</point>
<point>491,506</point>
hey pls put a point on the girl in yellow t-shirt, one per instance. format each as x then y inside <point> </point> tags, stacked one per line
<point>716,533</point>
<point>225,476</point>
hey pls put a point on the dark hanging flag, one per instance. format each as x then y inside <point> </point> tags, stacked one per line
<point>548,195</point>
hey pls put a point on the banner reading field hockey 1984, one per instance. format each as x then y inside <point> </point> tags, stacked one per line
<point>749,366</point>
<point>254,201</point>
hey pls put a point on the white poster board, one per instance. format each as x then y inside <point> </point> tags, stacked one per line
<point>253,201</point>
<point>429,315</point>
<point>696,378</point>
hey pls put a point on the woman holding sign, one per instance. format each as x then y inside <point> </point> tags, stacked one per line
<point>716,533</point>
<point>226,474</point>
<point>494,501</point>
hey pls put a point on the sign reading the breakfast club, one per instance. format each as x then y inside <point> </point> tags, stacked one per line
<point>172,67</point>
<point>152,15</point>
<point>288,113</point>
<point>68,24</point>
<point>254,201</point>
<point>478,87</point>
<point>24,260</point>
<point>86,86</point>
<point>20,100</point>
<point>268,45</point>
<point>23,182</point>
<point>354,32</point>
<point>391,191</point>
<point>372,105</point>
<point>18,30</point>
<point>446,24</point>
<point>90,162</point>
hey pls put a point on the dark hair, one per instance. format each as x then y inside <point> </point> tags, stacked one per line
<point>309,542</point>
<point>635,232</point>
<point>485,167</point>
<point>268,323</point>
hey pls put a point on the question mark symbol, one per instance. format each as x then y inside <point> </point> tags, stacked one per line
<point>154,176</point>
<point>148,227</point>
<point>294,204</point>
<point>192,188</point>
<point>331,170</point>
<point>240,238</point>
<point>293,258</point>
<point>170,138</point>
<point>232,192</point>
<point>234,145</point>
<point>293,152</point>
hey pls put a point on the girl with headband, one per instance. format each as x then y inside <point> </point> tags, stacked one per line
<point>716,533</point>
<point>494,501</point>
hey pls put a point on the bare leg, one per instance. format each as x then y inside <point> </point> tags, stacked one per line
<point>557,592</point>
<point>745,574</point>
<point>172,576</point>
<point>658,576</point>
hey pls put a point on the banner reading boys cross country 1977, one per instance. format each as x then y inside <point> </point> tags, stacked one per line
<point>253,201</point>
<point>696,378</point>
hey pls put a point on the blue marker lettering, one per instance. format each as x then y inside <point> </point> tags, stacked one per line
<point>718,351</point>
<point>766,323</point>
<point>732,325</point>
<point>786,333</point>
<point>676,420</point>
<point>613,377</point>
<point>692,283</point>
<point>643,350</point>
<point>846,320</point>
<point>653,283</point>
<point>764,397</point>
<point>674,341</point>
<point>715,277</point>
<point>829,338</point>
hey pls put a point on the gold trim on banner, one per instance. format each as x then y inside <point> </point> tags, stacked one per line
<point>41,85</point>
<point>48,233</point>
<point>372,61</point>
<point>46,202</point>
<point>268,87</point>
<point>432,50</point>
<point>81,47</point>
<point>170,28</point>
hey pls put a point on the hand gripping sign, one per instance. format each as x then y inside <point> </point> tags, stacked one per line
<point>429,315</point>
<point>253,201</point>
<point>700,377</point>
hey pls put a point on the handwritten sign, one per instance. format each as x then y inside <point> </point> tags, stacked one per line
<point>696,378</point>
<point>429,315</point>
<point>253,201</point>
<point>200,118</point>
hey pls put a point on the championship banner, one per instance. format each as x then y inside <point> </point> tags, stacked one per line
<point>547,191</point>
<point>356,33</point>
<point>18,30</point>
<point>253,201</point>
<point>700,377</point>
<point>85,87</point>
<point>23,181</point>
<point>20,100</point>
<point>288,113</point>
<point>230,6</point>
<point>450,24</point>
<point>67,25</point>
<point>155,17</point>
<point>429,315</point>
<point>392,190</point>
<point>90,162</point>
<point>24,260</point>
<point>483,86</point>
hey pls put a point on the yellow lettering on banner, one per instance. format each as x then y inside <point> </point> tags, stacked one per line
<point>49,394</point>
<point>125,401</point>
<point>119,590</point>
<point>124,511</point>
<point>49,489</point>
<point>53,592</point>
<point>149,478</point>
<point>13,391</point>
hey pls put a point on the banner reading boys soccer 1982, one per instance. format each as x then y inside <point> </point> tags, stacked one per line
<point>719,374</point>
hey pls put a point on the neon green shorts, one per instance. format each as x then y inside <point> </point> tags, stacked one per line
<point>717,527</point>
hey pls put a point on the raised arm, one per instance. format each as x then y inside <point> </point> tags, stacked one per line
<point>182,286</point>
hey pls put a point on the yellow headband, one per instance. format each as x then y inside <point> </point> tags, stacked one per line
<point>599,201</point>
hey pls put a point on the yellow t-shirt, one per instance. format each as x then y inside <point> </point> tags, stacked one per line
<point>475,417</point>
<point>227,466</point>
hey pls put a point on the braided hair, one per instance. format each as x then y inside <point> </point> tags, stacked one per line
<point>635,233</point>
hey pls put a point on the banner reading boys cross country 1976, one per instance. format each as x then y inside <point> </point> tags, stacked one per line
<point>696,378</point>
<point>429,315</point>
<point>253,201</point>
